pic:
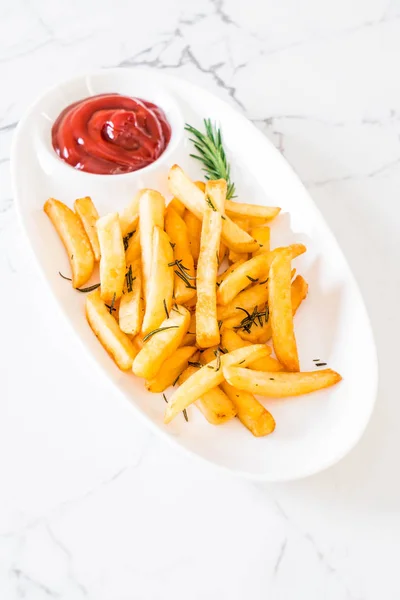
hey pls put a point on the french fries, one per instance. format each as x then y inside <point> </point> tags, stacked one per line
<point>112,262</point>
<point>214,404</point>
<point>280,385</point>
<point>250,411</point>
<point>256,295</point>
<point>207,330</point>
<point>193,198</point>
<point>133,250</point>
<point>190,336</point>
<point>151,214</point>
<point>171,369</point>
<point>177,206</point>
<point>208,377</point>
<point>162,343</point>
<point>193,225</point>
<point>129,217</point>
<point>161,283</point>
<point>229,270</point>
<point>231,341</point>
<point>106,329</point>
<point>281,313</point>
<point>131,310</point>
<point>256,268</point>
<point>184,273</point>
<point>76,242</point>
<point>262,236</point>
<point>86,211</point>
<point>238,209</point>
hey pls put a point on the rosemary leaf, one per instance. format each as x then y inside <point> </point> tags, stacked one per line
<point>149,335</point>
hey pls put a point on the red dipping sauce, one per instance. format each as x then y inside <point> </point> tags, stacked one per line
<point>110,134</point>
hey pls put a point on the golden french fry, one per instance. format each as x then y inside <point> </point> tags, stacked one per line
<point>238,209</point>
<point>256,268</point>
<point>222,252</point>
<point>184,273</point>
<point>208,377</point>
<point>250,411</point>
<point>73,235</point>
<point>190,336</point>
<point>194,200</point>
<point>280,385</point>
<point>229,270</point>
<point>256,295</point>
<point>234,257</point>
<point>86,211</point>
<point>193,225</point>
<point>106,329</point>
<point>281,313</point>
<point>241,222</point>
<point>131,310</point>
<point>256,335</point>
<point>161,283</point>
<point>177,206</point>
<point>171,369</point>
<point>214,404</point>
<point>130,216</point>
<point>207,330</point>
<point>262,236</point>
<point>209,354</point>
<point>298,292</point>
<point>231,341</point>
<point>151,214</point>
<point>133,251</point>
<point>112,262</point>
<point>161,343</point>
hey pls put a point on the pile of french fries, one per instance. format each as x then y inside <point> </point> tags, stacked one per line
<point>164,310</point>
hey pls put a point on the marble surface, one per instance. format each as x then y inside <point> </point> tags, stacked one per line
<point>91,504</point>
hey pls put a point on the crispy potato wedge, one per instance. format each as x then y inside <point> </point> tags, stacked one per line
<point>190,336</point>
<point>184,273</point>
<point>161,283</point>
<point>239,209</point>
<point>177,206</point>
<point>281,313</point>
<point>280,385</point>
<point>262,235</point>
<point>151,214</point>
<point>193,225</point>
<point>106,329</point>
<point>250,411</point>
<point>133,250</point>
<point>86,211</point>
<point>76,242</point>
<point>253,269</point>
<point>214,404</point>
<point>171,369</point>
<point>131,309</point>
<point>129,217</point>
<point>194,200</point>
<point>207,330</point>
<point>112,262</point>
<point>162,344</point>
<point>256,295</point>
<point>207,378</point>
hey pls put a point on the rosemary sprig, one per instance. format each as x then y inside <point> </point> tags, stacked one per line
<point>84,290</point>
<point>212,154</point>
<point>111,306</point>
<point>149,335</point>
<point>165,308</point>
<point>185,279</point>
<point>129,278</point>
<point>185,415</point>
<point>254,318</point>
<point>252,279</point>
<point>127,238</point>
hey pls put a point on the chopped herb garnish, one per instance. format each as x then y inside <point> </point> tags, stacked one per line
<point>261,245</point>
<point>218,357</point>
<point>252,279</point>
<point>166,309</point>
<point>316,359</point>
<point>185,415</point>
<point>210,204</point>
<point>172,245</point>
<point>262,282</point>
<point>218,283</point>
<point>182,273</point>
<point>149,335</point>
<point>271,379</point>
<point>254,318</point>
<point>321,364</point>
<point>194,363</point>
<point>223,217</point>
<point>185,280</point>
<point>219,324</point>
<point>64,277</point>
<point>223,350</point>
<point>176,379</point>
<point>111,306</point>
<point>210,367</point>
<point>241,362</point>
<point>127,238</point>
<point>165,398</point>
<point>84,290</point>
<point>129,278</point>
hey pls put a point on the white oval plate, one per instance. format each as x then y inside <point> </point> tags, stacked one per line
<point>332,325</point>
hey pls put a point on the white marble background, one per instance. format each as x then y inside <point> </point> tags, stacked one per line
<point>91,504</point>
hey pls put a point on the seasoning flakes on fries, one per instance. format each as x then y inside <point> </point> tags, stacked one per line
<point>191,294</point>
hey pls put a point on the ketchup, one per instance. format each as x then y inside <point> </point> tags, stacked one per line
<point>110,134</point>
